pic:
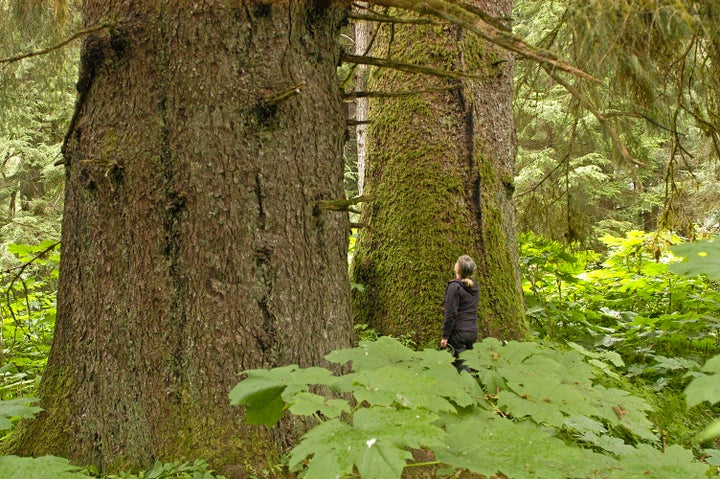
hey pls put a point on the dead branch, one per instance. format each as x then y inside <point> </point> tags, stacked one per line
<point>57,46</point>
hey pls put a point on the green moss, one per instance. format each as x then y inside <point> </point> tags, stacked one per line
<point>423,217</point>
<point>501,305</point>
<point>35,437</point>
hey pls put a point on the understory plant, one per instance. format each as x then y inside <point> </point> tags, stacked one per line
<point>628,301</point>
<point>528,411</point>
<point>28,290</point>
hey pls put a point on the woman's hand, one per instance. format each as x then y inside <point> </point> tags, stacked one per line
<point>443,343</point>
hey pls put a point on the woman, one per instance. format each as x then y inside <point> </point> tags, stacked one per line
<point>460,320</point>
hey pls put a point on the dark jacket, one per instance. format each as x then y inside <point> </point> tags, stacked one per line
<point>460,307</point>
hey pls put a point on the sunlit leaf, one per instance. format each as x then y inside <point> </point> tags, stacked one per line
<point>701,257</point>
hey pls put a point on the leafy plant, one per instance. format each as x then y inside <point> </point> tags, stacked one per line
<point>16,408</point>
<point>531,412</point>
<point>706,387</point>
<point>46,467</point>
<point>702,257</point>
<point>198,469</point>
<point>27,309</point>
<point>627,302</point>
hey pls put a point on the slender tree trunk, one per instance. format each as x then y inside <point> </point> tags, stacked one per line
<point>362,46</point>
<point>192,247</point>
<point>441,168</point>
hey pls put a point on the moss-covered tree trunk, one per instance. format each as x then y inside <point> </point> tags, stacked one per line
<point>441,169</point>
<point>192,247</point>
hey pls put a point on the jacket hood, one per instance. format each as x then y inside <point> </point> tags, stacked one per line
<point>474,289</point>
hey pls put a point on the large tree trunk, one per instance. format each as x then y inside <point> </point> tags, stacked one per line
<point>192,246</point>
<point>441,168</point>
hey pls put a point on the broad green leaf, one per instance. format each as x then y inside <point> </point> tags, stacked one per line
<point>377,443</point>
<point>266,392</point>
<point>711,432</point>
<point>705,387</point>
<point>701,257</point>
<point>388,372</point>
<point>46,467</point>
<point>620,408</point>
<point>371,355</point>
<point>489,445</point>
<point>544,397</point>
<point>16,408</point>
<point>611,356</point>
<point>607,443</point>
<point>392,385</point>
<point>307,404</point>
<point>712,457</point>
<point>647,462</point>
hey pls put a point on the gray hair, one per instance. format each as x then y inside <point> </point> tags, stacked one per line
<point>466,265</point>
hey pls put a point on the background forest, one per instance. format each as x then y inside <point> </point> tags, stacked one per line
<point>615,180</point>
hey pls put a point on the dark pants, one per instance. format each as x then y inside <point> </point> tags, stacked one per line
<point>461,341</point>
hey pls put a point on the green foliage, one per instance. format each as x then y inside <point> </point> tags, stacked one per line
<point>198,469</point>
<point>531,412</point>
<point>706,387</point>
<point>35,110</point>
<point>654,61</point>
<point>16,408</point>
<point>28,315</point>
<point>46,467</point>
<point>701,257</point>
<point>662,325</point>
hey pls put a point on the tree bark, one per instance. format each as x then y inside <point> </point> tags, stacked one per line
<point>441,169</point>
<point>192,245</point>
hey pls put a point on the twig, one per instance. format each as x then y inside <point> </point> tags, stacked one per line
<point>74,36</point>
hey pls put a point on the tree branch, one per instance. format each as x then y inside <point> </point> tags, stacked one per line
<point>380,18</point>
<point>342,205</point>
<point>585,103</point>
<point>407,67</point>
<point>466,18</point>
<point>383,94</point>
<point>57,46</point>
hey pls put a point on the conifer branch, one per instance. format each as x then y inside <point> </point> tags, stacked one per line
<point>585,103</point>
<point>468,18</point>
<point>351,123</point>
<point>394,94</point>
<point>57,46</point>
<point>380,18</point>
<point>342,205</point>
<point>407,67</point>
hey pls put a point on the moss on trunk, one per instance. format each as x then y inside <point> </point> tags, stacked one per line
<point>441,182</point>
